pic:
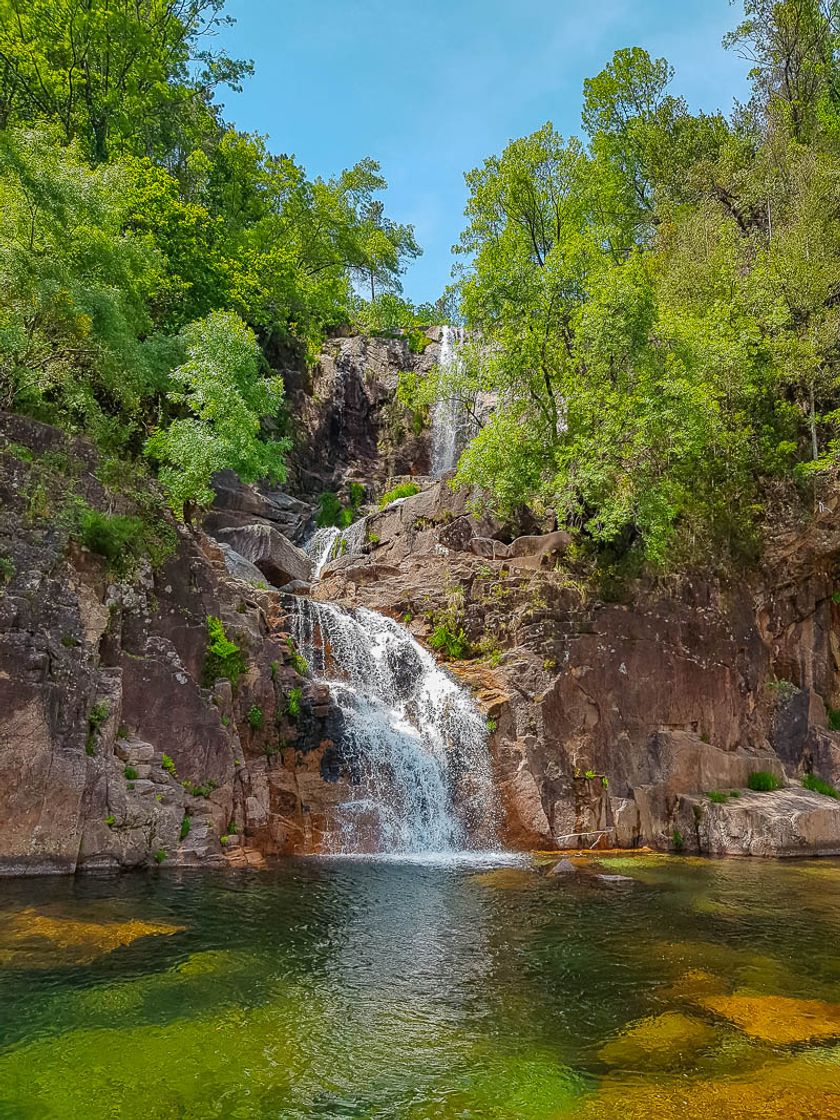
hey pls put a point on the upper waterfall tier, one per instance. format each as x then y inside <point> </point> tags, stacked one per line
<point>448,419</point>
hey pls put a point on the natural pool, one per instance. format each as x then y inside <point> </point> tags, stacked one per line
<point>389,990</point>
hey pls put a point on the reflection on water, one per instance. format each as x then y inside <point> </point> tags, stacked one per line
<point>408,991</point>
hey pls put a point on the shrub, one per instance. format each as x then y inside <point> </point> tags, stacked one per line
<point>224,658</point>
<point>817,785</point>
<point>332,513</point>
<point>255,717</point>
<point>833,718</point>
<point>293,702</point>
<point>160,855</point>
<point>96,717</point>
<point>131,774</point>
<point>113,536</point>
<point>296,660</point>
<point>763,781</point>
<point>186,824</point>
<point>275,665</point>
<point>718,797</point>
<point>111,820</point>
<point>169,765</point>
<point>449,641</point>
<point>677,840</point>
<point>7,569</point>
<point>403,490</point>
<point>200,790</point>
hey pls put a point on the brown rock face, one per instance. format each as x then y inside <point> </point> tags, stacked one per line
<point>615,715</point>
<point>116,750</point>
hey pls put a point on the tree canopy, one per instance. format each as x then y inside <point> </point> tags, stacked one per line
<point>152,256</point>
<point>656,307</point>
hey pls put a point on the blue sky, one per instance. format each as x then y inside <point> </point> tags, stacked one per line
<point>429,88</point>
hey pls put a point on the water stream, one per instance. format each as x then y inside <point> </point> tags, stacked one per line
<point>448,419</point>
<point>412,739</point>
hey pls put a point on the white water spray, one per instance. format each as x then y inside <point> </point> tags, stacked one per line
<point>413,742</point>
<point>449,423</point>
<point>329,544</point>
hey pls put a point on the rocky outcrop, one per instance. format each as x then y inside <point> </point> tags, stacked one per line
<point>611,716</point>
<point>269,551</point>
<point>350,423</point>
<point>238,503</point>
<point>117,749</point>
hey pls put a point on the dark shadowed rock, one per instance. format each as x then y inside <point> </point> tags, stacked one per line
<point>273,554</point>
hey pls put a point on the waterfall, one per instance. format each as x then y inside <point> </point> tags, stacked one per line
<point>448,420</point>
<point>412,740</point>
<point>328,544</point>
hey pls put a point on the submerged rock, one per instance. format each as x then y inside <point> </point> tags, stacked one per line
<point>779,1020</point>
<point>658,1042</point>
<point>32,939</point>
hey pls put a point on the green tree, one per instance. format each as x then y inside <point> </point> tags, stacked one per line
<point>221,388</point>
<point>73,290</point>
<point>115,74</point>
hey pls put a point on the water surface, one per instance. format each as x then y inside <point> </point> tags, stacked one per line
<point>413,991</point>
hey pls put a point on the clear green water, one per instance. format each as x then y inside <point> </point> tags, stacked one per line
<point>381,990</point>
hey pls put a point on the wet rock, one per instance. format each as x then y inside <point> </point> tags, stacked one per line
<point>562,869</point>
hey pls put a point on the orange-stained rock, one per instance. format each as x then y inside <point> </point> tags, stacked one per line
<point>777,1019</point>
<point>658,1042</point>
<point>32,939</point>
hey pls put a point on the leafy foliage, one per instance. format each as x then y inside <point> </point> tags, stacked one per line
<point>153,259</point>
<point>403,490</point>
<point>221,387</point>
<point>656,305</point>
<point>812,782</point>
<point>224,658</point>
<point>114,536</point>
<point>763,781</point>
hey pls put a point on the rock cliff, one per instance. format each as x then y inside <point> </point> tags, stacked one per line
<point>613,716</point>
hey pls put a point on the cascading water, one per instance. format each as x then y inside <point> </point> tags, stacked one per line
<point>448,419</point>
<point>413,742</point>
<point>328,544</point>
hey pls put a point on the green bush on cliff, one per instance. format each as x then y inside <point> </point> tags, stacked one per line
<point>293,700</point>
<point>450,641</point>
<point>817,785</point>
<point>402,490</point>
<point>255,717</point>
<point>297,661</point>
<point>116,537</point>
<point>763,781</point>
<point>331,512</point>
<point>224,659</point>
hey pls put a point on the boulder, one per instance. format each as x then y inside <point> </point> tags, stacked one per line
<point>273,554</point>
<point>789,822</point>
<point>532,551</point>
<point>239,567</point>
<point>238,502</point>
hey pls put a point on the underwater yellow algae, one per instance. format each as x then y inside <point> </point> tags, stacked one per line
<point>657,1042</point>
<point>711,1100</point>
<point>694,983</point>
<point>779,1020</point>
<point>32,939</point>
